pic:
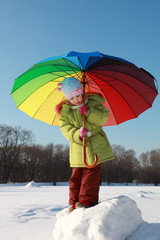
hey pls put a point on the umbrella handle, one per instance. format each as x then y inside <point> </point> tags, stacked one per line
<point>84,159</point>
<point>84,146</point>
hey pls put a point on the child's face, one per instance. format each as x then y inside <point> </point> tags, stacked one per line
<point>76,100</point>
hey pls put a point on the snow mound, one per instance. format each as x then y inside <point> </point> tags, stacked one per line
<point>31,184</point>
<point>114,219</point>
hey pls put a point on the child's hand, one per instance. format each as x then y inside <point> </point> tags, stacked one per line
<point>83,109</point>
<point>83,132</point>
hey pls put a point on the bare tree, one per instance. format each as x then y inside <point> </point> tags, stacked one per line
<point>155,166</point>
<point>21,161</point>
<point>145,171</point>
<point>128,166</point>
<point>61,163</point>
<point>118,156</point>
<point>43,164</point>
<point>12,140</point>
<point>123,168</point>
<point>32,159</point>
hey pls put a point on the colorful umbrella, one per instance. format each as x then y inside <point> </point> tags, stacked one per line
<point>128,90</point>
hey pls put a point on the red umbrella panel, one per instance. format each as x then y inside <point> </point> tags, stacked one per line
<point>128,91</point>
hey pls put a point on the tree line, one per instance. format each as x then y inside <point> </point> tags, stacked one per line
<point>21,160</point>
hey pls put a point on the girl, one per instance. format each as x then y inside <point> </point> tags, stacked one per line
<point>84,182</point>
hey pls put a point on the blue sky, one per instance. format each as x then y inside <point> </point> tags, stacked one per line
<point>31,30</point>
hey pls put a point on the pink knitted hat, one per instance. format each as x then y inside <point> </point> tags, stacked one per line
<point>70,87</point>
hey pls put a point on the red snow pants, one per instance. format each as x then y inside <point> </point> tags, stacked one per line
<point>84,184</point>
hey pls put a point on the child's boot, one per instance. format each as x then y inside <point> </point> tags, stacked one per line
<point>71,208</point>
<point>83,204</point>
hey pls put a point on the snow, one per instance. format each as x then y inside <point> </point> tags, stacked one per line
<point>112,219</point>
<point>32,184</point>
<point>37,211</point>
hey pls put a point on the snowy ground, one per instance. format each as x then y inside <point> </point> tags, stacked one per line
<point>29,213</point>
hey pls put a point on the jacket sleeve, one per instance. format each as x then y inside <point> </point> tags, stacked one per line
<point>97,115</point>
<point>69,131</point>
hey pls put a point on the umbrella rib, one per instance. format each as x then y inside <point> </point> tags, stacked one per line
<point>58,76</point>
<point>67,61</point>
<point>42,103</point>
<point>107,100</point>
<point>119,95</point>
<point>43,75</point>
<point>127,86</point>
<point>54,118</point>
<point>56,114</point>
<point>52,80</point>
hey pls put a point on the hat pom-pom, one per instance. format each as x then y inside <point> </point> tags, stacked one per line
<point>59,87</point>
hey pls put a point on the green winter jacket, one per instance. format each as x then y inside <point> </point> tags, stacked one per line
<point>70,123</point>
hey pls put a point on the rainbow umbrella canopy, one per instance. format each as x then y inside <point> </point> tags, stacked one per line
<point>128,90</point>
